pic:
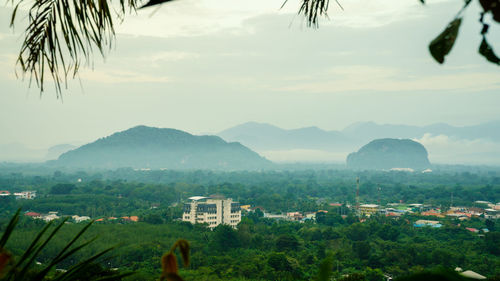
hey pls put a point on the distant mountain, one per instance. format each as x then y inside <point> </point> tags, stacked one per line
<point>261,136</point>
<point>446,143</point>
<point>385,154</point>
<point>55,151</point>
<point>147,147</point>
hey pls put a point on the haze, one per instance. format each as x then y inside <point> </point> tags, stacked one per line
<point>205,66</point>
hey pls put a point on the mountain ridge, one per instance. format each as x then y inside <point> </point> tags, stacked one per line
<point>389,153</point>
<point>149,147</point>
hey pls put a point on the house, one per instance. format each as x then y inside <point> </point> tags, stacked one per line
<point>294,216</point>
<point>4,193</point>
<point>275,216</point>
<point>422,223</point>
<point>393,214</point>
<point>131,218</point>
<point>25,195</point>
<point>472,229</point>
<point>80,219</point>
<point>491,213</point>
<point>33,215</point>
<point>432,213</point>
<point>470,274</point>
<point>50,216</point>
<point>246,207</point>
<point>310,216</point>
<point>368,209</point>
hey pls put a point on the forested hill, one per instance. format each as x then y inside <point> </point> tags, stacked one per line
<point>386,154</point>
<point>156,148</point>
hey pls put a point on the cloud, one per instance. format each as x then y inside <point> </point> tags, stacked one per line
<point>383,78</point>
<point>117,76</point>
<point>201,17</point>
<point>446,150</point>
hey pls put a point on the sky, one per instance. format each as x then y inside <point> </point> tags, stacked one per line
<point>206,65</point>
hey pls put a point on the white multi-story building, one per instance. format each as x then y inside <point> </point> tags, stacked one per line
<point>212,211</point>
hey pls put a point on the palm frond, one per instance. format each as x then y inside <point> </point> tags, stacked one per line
<point>62,34</point>
<point>22,269</point>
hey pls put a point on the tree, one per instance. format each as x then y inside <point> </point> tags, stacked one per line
<point>287,242</point>
<point>225,238</point>
<point>62,34</point>
<point>492,241</point>
<point>62,188</point>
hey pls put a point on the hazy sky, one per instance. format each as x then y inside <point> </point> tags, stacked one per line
<point>206,65</point>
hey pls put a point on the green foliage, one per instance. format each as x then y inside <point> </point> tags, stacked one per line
<point>492,242</point>
<point>251,252</point>
<point>325,269</point>
<point>225,238</point>
<point>287,242</point>
<point>24,267</point>
<point>62,188</point>
<point>440,274</point>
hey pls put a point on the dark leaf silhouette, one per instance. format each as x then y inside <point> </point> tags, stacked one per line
<point>441,45</point>
<point>154,2</point>
<point>487,51</point>
<point>492,6</point>
<point>184,249</point>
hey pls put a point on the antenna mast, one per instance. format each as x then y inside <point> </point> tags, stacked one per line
<point>357,196</point>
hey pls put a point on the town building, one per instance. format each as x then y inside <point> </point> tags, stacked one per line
<point>78,219</point>
<point>422,223</point>
<point>25,195</point>
<point>368,209</point>
<point>51,216</point>
<point>33,215</point>
<point>246,207</point>
<point>4,193</point>
<point>212,210</point>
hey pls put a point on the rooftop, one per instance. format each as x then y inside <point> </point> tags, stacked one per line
<point>196,198</point>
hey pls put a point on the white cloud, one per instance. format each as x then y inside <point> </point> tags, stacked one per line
<point>444,149</point>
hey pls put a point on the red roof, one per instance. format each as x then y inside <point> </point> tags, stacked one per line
<point>32,214</point>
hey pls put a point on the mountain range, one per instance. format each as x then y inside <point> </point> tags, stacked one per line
<point>477,144</point>
<point>263,136</point>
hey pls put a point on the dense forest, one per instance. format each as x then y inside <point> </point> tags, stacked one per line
<point>261,248</point>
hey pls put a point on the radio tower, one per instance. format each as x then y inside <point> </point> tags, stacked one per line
<point>357,196</point>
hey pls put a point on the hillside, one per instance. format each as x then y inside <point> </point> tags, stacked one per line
<point>147,147</point>
<point>384,154</point>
